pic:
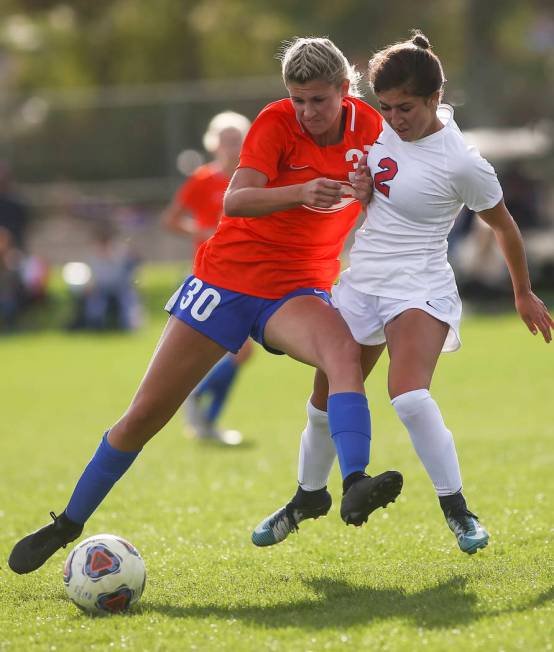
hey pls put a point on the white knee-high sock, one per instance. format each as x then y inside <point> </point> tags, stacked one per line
<point>317,451</point>
<point>432,440</point>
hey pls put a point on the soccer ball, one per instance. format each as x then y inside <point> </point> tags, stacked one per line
<point>104,574</point>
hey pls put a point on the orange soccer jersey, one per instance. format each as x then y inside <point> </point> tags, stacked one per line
<point>270,256</point>
<point>201,195</point>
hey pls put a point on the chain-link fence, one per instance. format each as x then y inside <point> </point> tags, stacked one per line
<point>111,154</point>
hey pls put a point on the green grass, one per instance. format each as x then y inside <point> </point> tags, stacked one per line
<point>399,583</point>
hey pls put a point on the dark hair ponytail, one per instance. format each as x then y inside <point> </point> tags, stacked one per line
<point>419,39</point>
<point>411,65</point>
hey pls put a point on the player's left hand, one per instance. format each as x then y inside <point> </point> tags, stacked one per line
<point>535,314</point>
<point>363,183</point>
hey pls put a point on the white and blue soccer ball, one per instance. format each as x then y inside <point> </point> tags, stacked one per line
<point>104,574</point>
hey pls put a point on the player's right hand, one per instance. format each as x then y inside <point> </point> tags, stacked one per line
<point>321,192</point>
<point>535,315</point>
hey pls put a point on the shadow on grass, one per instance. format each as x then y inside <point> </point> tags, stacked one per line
<point>339,605</point>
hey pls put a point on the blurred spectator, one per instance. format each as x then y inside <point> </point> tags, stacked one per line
<point>521,195</point>
<point>461,229</point>
<point>197,205</point>
<point>474,252</point>
<point>106,298</point>
<point>34,277</point>
<point>14,214</point>
<point>194,213</point>
<point>32,271</point>
<point>11,288</point>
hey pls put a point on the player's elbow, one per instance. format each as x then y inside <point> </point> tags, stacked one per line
<point>166,221</point>
<point>231,205</point>
<point>171,219</point>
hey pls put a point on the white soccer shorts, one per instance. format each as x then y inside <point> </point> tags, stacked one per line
<point>367,314</point>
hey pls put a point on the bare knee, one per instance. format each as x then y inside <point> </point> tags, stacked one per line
<point>139,424</point>
<point>343,360</point>
<point>400,386</point>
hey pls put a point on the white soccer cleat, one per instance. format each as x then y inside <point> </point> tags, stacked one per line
<point>470,534</point>
<point>203,429</point>
<point>277,526</point>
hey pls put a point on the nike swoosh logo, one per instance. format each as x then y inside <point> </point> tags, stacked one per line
<point>318,292</point>
<point>377,142</point>
<point>430,305</point>
<point>298,167</point>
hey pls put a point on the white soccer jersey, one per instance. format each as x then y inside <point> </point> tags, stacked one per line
<point>420,187</point>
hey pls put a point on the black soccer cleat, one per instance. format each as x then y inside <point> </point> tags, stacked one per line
<point>33,550</point>
<point>369,493</point>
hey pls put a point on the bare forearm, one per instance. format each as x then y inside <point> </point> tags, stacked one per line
<point>511,244</point>
<point>181,228</point>
<point>254,202</point>
<point>530,308</point>
<point>177,220</point>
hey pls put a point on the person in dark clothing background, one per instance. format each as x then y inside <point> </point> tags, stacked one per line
<point>14,213</point>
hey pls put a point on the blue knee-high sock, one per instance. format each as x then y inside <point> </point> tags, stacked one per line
<point>102,472</point>
<point>218,383</point>
<point>350,426</point>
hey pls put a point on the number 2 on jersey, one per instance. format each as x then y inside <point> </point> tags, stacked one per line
<point>389,168</point>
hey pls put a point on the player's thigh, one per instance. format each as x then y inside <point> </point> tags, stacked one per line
<point>309,330</point>
<point>182,358</point>
<point>245,352</point>
<point>414,341</point>
<point>370,355</point>
<point>320,392</point>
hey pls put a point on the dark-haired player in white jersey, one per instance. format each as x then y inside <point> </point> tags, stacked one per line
<point>400,291</point>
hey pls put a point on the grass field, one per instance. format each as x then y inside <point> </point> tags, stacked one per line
<point>398,584</point>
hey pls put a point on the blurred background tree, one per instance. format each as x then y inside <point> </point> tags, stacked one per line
<point>98,98</point>
<point>499,54</point>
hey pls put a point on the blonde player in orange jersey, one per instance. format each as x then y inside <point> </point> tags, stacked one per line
<point>266,274</point>
<point>194,214</point>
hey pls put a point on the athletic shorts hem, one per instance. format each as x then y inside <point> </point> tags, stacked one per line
<point>214,337</point>
<point>367,314</point>
<point>226,317</point>
<point>453,340</point>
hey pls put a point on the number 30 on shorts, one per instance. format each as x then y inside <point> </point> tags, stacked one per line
<point>203,304</point>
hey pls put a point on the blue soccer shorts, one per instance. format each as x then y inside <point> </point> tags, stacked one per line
<point>228,317</point>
